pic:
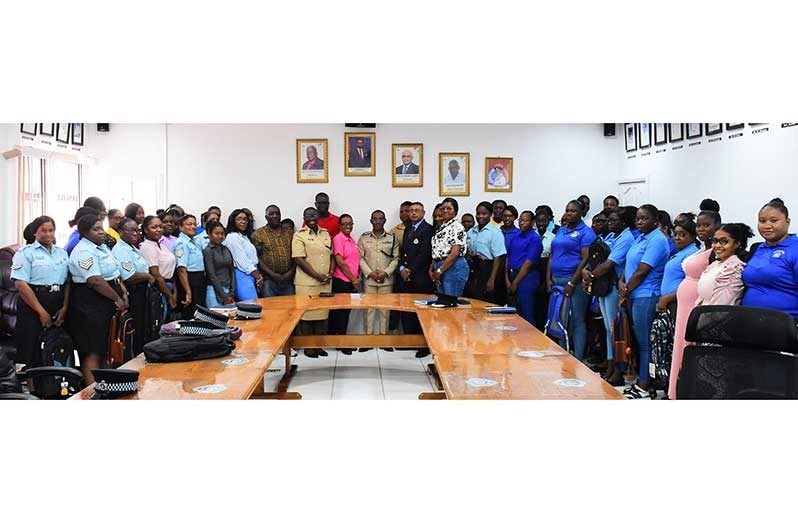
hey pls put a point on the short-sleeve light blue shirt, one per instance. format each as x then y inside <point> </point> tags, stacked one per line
<point>36,265</point>
<point>488,242</point>
<point>188,254</point>
<point>130,260</point>
<point>88,259</point>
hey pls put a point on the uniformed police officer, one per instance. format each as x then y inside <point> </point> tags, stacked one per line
<point>40,272</point>
<point>379,258</point>
<point>97,294</point>
<point>135,272</point>
<point>190,267</point>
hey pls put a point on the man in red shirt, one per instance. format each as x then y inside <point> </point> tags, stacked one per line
<point>327,220</point>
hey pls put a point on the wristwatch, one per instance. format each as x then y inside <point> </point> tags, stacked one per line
<point>438,270</point>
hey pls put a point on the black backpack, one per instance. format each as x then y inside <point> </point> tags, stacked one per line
<point>597,253</point>
<point>56,348</point>
<point>169,349</point>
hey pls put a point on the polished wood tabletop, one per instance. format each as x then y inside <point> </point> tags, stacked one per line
<point>477,355</point>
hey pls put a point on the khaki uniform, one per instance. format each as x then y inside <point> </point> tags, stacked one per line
<point>378,254</point>
<point>316,248</point>
<point>399,232</point>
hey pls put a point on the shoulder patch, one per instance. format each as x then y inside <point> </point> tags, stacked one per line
<point>127,266</point>
<point>16,266</point>
<point>86,264</point>
<point>179,252</point>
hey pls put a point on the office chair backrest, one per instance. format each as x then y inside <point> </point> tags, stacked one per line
<point>743,327</point>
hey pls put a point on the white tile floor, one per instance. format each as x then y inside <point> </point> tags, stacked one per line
<point>372,375</point>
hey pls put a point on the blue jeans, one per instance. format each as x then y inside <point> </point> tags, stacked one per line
<point>165,301</point>
<point>210,297</point>
<point>644,310</point>
<point>273,288</point>
<point>453,281</point>
<point>609,310</point>
<point>245,286</point>
<point>525,294</point>
<point>577,326</point>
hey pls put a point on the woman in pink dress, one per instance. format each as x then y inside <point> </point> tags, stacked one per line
<point>687,294</point>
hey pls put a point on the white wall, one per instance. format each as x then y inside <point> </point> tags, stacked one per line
<point>8,186</point>
<point>740,173</point>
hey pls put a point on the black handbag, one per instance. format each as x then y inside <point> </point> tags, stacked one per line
<point>597,253</point>
<point>188,348</point>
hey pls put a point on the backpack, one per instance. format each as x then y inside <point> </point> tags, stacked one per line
<point>154,314</point>
<point>622,341</point>
<point>122,333</point>
<point>597,253</point>
<point>661,343</point>
<point>188,348</point>
<point>558,314</point>
<point>56,348</point>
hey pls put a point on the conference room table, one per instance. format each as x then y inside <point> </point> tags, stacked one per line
<point>476,354</point>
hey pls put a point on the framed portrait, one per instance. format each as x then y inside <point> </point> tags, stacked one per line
<point>630,136</point>
<point>62,132</point>
<point>407,165</point>
<point>498,174</point>
<point>47,129</point>
<point>311,160</point>
<point>732,126</point>
<point>359,159</point>
<point>77,134</point>
<point>644,132</point>
<point>453,174</point>
<point>660,134</point>
<point>676,132</point>
<point>28,128</point>
<point>713,128</point>
<point>694,130</point>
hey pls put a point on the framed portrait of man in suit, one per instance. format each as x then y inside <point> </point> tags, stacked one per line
<point>311,160</point>
<point>498,174</point>
<point>359,158</point>
<point>407,165</point>
<point>453,174</point>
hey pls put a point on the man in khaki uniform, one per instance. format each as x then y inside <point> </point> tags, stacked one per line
<point>311,249</point>
<point>379,257</point>
<point>399,231</point>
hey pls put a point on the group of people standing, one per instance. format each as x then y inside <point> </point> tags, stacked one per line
<point>655,266</point>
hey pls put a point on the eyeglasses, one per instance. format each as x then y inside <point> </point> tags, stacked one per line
<point>723,241</point>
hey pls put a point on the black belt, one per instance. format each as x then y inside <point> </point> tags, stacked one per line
<point>47,288</point>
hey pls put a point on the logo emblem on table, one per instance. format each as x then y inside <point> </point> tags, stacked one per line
<point>531,354</point>
<point>233,362</point>
<point>506,328</point>
<point>209,389</point>
<point>570,382</point>
<point>480,382</point>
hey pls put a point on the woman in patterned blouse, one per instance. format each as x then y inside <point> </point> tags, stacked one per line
<point>449,269</point>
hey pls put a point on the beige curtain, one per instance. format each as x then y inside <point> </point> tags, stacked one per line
<point>30,202</point>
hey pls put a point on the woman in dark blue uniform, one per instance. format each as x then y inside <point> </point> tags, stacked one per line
<point>135,272</point>
<point>40,272</point>
<point>771,274</point>
<point>97,294</point>
<point>190,267</point>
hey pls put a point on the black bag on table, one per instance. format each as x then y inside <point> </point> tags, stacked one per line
<point>170,349</point>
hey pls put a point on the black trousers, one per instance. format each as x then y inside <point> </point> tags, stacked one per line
<point>542,297</point>
<point>410,323</point>
<point>198,285</point>
<point>28,330</point>
<point>477,285</point>
<point>137,296</point>
<point>338,320</point>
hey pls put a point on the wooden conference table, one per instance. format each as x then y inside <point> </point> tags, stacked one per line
<point>477,355</point>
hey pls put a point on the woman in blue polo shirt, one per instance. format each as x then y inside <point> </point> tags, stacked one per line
<point>96,295</point>
<point>39,271</point>
<point>686,243</point>
<point>523,258</point>
<point>190,267</point>
<point>771,275</point>
<point>568,258</point>
<point>640,284</point>
<point>485,255</point>
<point>619,239</point>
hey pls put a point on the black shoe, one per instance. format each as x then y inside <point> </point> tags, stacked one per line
<point>388,349</point>
<point>364,350</point>
<point>322,352</point>
<point>311,353</point>
<point>348,352</point>
<point>422,353</point>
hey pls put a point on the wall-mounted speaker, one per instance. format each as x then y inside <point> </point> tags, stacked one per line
<point>361,125</point>
<point>609,129</point>
<point>103,127</point>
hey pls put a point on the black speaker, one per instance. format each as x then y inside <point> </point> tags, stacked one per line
<point>361,125</point>
<point>609,129</point>
<point>103,127</point>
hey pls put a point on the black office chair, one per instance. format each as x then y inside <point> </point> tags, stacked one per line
<point>46,382</point>
<point>739,353</point>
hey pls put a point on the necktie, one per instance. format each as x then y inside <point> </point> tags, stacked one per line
<point>404,170</point>
<point>360,151</point>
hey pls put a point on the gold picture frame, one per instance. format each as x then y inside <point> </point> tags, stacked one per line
<point>413,175</point>
<point>498,174</point>
<point>454,186</point>
<point>308,169</point>
<point>357,165</point>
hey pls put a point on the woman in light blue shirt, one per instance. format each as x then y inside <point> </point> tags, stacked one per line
<point>486,252</point>
<point>192,289</point>
<point>245,257</point>
<point>686,243</point>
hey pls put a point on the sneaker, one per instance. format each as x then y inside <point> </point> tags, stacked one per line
<point>635,392</point>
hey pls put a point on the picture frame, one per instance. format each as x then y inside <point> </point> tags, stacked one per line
<point>713,128</point>
<point>630,137</point>
<point>459,165</point>
<point>62,132</point>
<point>77,134</point>
<point>660,134</point>
<point>694,130</point>
<point>498,174</point>
<point>47,129</point>
<point>28,128</point>
<point>359,154</point>
<point>311,160</point>
<point>407,165</point>
<point>675,132</point>
<point>644,135</point>
<point>733,126</point>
